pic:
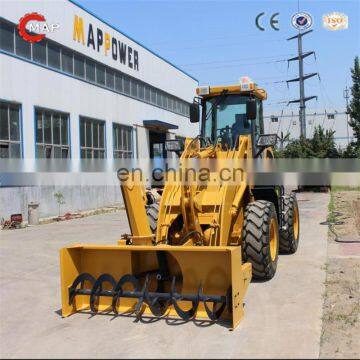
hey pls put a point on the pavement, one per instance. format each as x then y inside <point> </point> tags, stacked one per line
<point>282,316</point>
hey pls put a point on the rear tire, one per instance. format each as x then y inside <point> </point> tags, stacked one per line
<point>261,239</point>
<point>152,212</point>
<point>289,234</point>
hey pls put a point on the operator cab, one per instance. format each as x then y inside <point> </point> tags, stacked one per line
<point>230,111</point>
<point>226,113</point>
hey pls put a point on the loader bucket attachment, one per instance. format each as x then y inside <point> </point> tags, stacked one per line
<point>175,281</point>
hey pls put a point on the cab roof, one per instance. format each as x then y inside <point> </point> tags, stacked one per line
<point>232,89</point>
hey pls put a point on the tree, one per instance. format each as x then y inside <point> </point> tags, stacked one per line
<point>322,145</point>
<point>60,199</point>
<point>353,150</point>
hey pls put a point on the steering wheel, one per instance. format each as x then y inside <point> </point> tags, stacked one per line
<point>225,135</point>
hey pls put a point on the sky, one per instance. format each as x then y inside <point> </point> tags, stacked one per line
<point>217,42</point>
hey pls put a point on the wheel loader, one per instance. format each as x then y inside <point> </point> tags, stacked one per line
<point>191,253</point>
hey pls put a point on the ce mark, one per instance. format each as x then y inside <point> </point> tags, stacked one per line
<point>273,21</point>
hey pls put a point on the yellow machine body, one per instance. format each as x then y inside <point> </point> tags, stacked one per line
<point>198,238</point>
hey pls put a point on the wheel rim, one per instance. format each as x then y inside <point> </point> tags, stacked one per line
<point>274,238</point>
<point>296,222</point>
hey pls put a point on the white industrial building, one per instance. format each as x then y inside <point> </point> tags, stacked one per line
<point>287,122</point>
<point>86,90</point>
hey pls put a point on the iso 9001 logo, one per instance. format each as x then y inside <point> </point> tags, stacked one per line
<point>335,21</point>
<point>301,21</point>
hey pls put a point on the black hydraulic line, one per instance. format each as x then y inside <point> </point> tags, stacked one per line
<point>331,224</point>
<point>188,235</point>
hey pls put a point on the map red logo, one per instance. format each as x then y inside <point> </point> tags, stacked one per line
<point>33,27</point>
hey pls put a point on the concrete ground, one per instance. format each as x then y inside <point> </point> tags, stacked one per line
<point>282,316</point>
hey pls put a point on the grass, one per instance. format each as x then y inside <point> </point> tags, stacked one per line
<point>331,207</point>
<point>345,188</point>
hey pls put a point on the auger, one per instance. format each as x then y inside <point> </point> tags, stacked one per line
<point>158,302</point>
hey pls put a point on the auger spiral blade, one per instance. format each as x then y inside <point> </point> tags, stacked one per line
<point>144,296</point>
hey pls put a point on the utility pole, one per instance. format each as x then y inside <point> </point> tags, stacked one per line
<point>346,97</point>
<point>301,79</point>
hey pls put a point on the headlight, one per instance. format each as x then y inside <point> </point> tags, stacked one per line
<point>174,145</point>
<point>267,140</point>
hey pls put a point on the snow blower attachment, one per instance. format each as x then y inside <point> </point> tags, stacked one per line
<point>160,281</point>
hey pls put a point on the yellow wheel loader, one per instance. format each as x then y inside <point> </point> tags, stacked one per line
<point>191,255</point>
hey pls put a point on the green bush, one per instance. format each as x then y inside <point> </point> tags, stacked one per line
<point>322,145</point>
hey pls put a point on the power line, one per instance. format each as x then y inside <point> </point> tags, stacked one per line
<point>195,40</point>
<point>310,114</point>
<point>237,65</point>
<point>216,45</point>
<point>236,60</point>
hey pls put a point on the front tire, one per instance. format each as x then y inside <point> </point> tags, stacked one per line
<point>289,234</point>
<point>261,239</point>
<point>152,212</point>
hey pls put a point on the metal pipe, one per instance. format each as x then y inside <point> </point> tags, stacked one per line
<point>155,295</point>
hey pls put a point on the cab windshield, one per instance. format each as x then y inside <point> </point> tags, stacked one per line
<point>226,118</point>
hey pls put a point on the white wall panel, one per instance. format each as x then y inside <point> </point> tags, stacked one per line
<point>152,68</point>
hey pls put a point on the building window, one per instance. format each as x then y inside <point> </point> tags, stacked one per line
<point>331,116</point>
<point>92,138</point>
<point>133,88</point>
<point>122,141</point>
<point>274,118</point>
<point>6,37</point>
<point>119,82</point>
<point>52,134</point>
<point>159,99</point>
<point>109,78</point>
<point>67,61</point>
<point>126,85</point>
<point>39,52</point>
<point>10,135</point>
<point>178,108</point>
<point>79,66</point>
<point>53,55</point>
<point>147,93</point>
<point>171,104</point>
<point>100,74</point>
<point>153,96</point>
<point>141,91</point>
<point>90,70</point>
<point>23,48</point>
